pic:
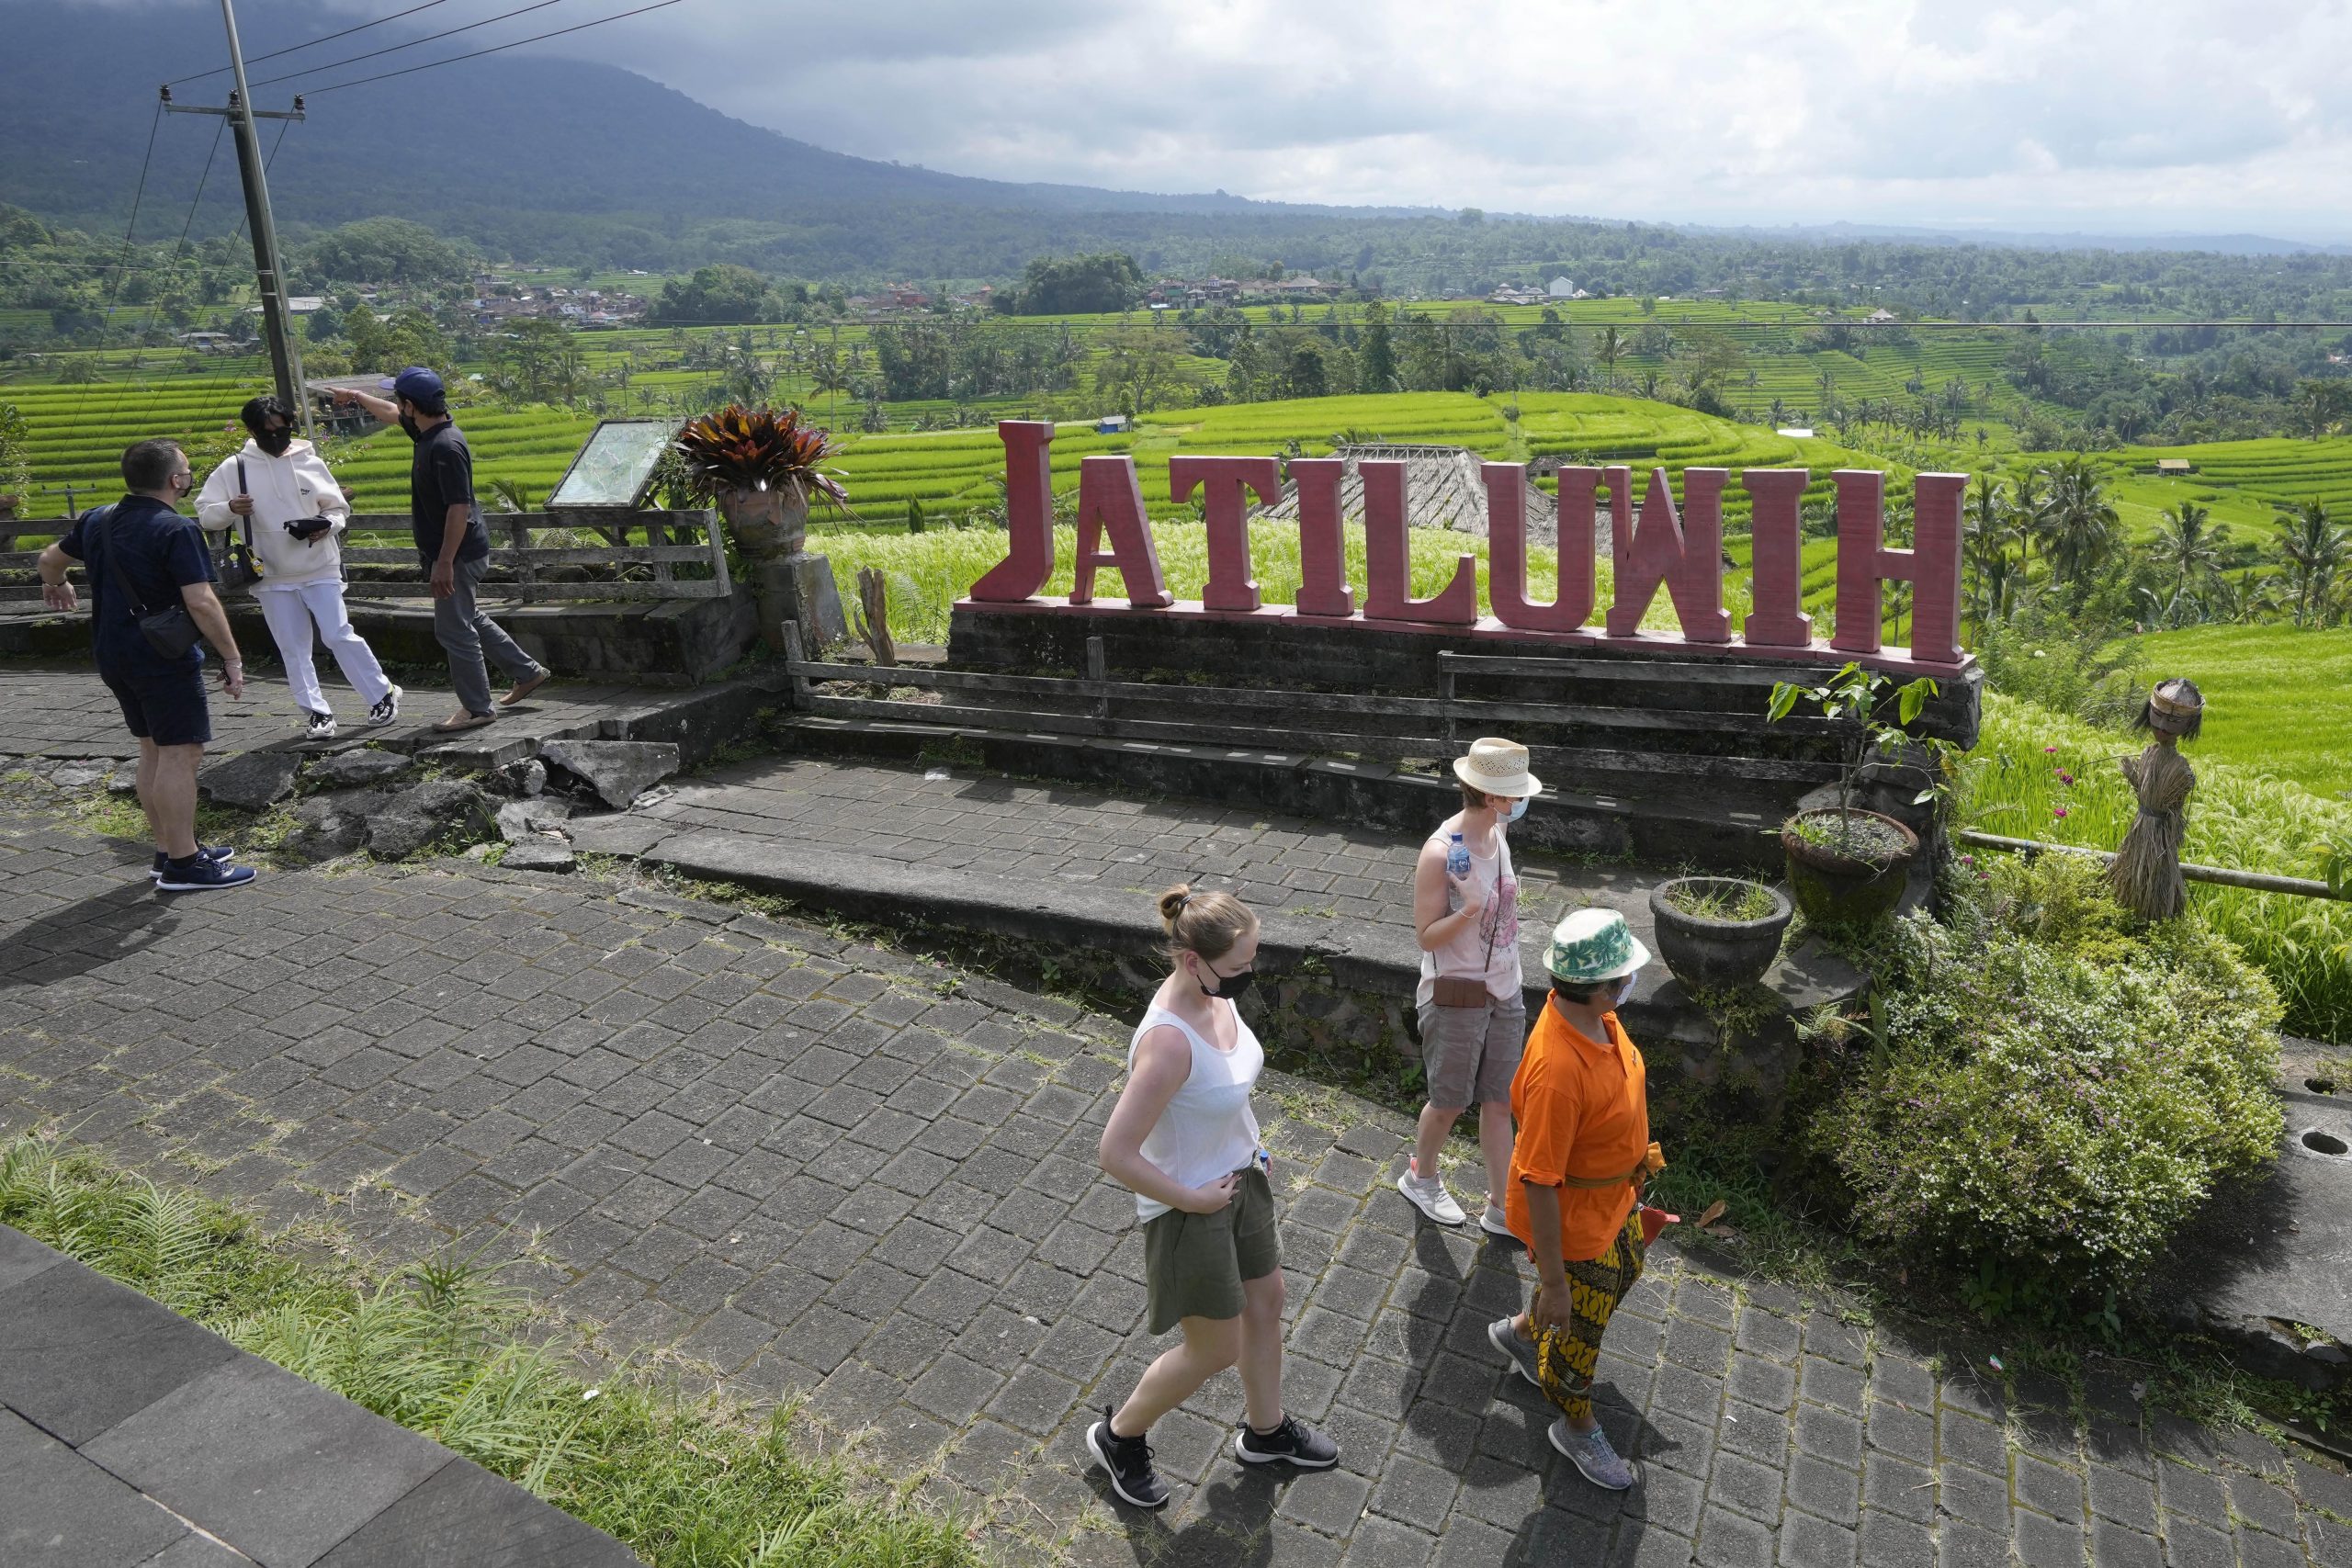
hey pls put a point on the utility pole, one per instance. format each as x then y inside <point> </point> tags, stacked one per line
<point>269,277</point>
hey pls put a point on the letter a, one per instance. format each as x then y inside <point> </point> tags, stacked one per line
<point>1110,499</point>
<point>1028,515</point>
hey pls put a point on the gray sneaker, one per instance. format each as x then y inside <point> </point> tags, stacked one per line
<point>1592,1456</point>
<point>1504,1335</point>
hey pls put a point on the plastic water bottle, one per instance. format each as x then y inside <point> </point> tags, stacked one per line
<point>1457,857</point>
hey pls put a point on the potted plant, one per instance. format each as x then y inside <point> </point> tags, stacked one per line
<point>1847,866</point>
<point>1718,933</point>
<point>763,469</point>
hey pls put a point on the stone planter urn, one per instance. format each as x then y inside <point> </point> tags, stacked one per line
<point>1857,885</point>
<point>1714,952</point>
<point>770,528</point>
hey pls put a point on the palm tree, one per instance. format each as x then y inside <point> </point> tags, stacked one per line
<point>2081,522</point>
<point>2316,546</point>
<point>827,374</point>
<point>2026,503</point>
<point>1993,575</point>
<point>1608,347</point>
<point>1779,412</point>
<point>2187,542</point>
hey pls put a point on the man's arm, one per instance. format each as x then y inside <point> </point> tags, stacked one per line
<point>204,609</point>
<point>452,534</point>
<point>386,411</point>
<point>55,592</point>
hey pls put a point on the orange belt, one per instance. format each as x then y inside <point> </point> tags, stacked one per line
<point>1653,1161</point>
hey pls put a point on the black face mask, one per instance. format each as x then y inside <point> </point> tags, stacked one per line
<point>408,422</point>
<point>274,442</point>
<point>1228,987</point>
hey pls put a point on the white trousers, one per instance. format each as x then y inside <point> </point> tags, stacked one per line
<point>290,609</point>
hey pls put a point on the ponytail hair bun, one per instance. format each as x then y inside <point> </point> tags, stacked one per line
<point>1207,923</point>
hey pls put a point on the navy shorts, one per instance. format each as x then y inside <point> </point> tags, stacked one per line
<point>165,707</point>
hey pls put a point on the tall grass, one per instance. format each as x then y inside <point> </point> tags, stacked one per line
<point>441,1349</point>
<point>2038,775</point>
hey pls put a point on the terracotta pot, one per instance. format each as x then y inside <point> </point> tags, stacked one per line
<point>1717,954</point>
<point>1834,888</point>
<point>766,525</point>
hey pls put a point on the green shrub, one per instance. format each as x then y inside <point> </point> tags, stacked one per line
<point>2056,1087</point>
<point>2036,776</point>
<point>2086,668</point>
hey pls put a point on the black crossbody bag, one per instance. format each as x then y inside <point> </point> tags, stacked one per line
<point>241,571</point>
<point>169,632</point>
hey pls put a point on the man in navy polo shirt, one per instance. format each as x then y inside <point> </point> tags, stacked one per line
<point>454,543</point>
<point>143,558</point>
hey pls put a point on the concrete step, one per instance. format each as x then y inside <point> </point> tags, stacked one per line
<point>1702,824</point>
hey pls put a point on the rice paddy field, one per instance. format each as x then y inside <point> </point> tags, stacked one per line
<point>2277,699</point>
<point>2036,774</point>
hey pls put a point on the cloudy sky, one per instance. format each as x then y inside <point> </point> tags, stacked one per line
<point>2115,115</point>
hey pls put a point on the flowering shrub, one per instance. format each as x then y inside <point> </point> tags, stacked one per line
<point>2055,1089</point>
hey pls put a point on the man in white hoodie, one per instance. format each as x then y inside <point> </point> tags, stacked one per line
<point>288,512</point>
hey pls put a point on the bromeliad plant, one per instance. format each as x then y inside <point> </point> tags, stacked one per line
<point>758,450</point>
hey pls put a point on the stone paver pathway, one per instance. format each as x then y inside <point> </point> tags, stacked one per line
<point>55,712</point>
<point>831,1168</point>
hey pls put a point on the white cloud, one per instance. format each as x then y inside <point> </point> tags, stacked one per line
<point>2119,114</point>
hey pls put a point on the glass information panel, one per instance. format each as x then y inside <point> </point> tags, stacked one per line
<point>615,464</point>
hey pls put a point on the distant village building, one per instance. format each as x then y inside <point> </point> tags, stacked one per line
<point>1881,317</point>
<point>1563,288</point>
<point>2174,465</point>
<point>1516,294</point>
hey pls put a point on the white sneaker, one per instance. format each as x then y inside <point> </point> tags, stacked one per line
<point>387,708</point>
<point>1493,1223</point>
<point>1431,1197</point>
<point>317,726</point>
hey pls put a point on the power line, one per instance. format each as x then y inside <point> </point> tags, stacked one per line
<point>136,196</point>
<point>295,48</point>
<point>395,49</point>
<point>386,76</point>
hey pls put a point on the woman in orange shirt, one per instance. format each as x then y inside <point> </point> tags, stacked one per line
<point>1581,1101</point>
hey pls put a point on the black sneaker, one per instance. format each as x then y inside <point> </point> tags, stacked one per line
<point>200,875</point>
<point>219,854</point>
<point>387,708</point>
<point>317,726</point>
<point>1127,1461</point>
<point>1294,1441</point>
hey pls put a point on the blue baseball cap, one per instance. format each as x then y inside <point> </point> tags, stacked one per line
<point>418,385</point>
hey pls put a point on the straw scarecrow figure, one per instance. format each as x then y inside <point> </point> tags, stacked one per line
<point>2146,873</point>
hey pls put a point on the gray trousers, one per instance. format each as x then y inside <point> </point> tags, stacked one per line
<point>465,632</point>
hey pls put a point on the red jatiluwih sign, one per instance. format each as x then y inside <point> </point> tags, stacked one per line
<point>1679,548</point>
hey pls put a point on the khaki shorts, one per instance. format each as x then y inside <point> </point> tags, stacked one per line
<point>1193,1264</point>
<point>1472,1053</point>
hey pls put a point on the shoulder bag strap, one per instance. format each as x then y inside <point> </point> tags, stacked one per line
<point>105,514</point>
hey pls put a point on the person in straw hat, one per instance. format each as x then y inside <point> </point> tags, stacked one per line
<point>1473,1020</point>
<point>1584,1152</point>
<point>2146,873</point>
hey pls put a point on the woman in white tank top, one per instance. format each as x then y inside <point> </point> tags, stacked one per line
<point>1182,1138</point>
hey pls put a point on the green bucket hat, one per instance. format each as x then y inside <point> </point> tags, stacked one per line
<point>1590,945</point>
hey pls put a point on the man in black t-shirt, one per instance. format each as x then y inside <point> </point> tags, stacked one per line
<point>144,559</point>
<point>454,545</point>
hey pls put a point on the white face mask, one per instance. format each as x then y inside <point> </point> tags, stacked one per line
<point>1514,812</point>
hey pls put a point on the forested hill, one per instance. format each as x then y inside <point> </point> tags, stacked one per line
<point>533,155</point>
<point>556,161</point>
